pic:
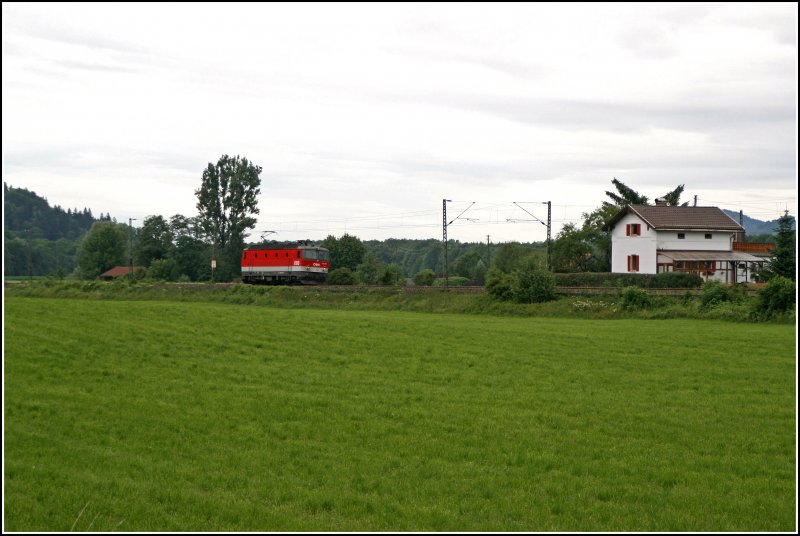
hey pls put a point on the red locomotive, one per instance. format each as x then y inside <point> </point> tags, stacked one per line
<point>302,264</point>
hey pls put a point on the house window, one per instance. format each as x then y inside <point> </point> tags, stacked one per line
<point>633,229</point>
<point>633,263</point>
<point>680,265</point>
<point>708,236</point>
<point>681,236</point>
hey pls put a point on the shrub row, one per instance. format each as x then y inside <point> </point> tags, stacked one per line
<point>607,279</point>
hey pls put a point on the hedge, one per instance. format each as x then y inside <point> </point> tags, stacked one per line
<point>608,279</point>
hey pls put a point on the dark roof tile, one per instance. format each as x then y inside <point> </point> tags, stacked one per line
<point>664,217</point>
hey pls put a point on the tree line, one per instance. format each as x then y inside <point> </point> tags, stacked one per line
<point>40,240</point>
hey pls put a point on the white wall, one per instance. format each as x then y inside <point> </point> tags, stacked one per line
<point>695,240</point>
<point>622,246</point>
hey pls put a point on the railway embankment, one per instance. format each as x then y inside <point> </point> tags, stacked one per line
<point>570,302</point>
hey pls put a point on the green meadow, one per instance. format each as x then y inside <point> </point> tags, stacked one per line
<point>192,416</point>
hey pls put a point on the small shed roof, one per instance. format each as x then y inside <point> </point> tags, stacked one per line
<point>668,218</point>
<point>118,271</point>
<point>691,255</point>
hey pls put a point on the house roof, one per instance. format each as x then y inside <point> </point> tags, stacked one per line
<point>118,271</point>
<point>665,218</point>
<point>692,255</point>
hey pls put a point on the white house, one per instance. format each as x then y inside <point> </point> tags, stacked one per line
<point>658,238</point>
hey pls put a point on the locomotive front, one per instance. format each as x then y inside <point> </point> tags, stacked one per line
<point>285,266</point>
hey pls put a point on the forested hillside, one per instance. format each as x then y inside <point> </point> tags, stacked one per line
<point>754,227</point>
<point>38,236</point>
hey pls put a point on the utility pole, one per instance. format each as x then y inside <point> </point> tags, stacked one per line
<point>548,225</point>
<point>445,223</point>
<point>444,237</point>
<point>549,249</point>
<point>488,252</point>
<point>695,201</point>
<point>130,247</point>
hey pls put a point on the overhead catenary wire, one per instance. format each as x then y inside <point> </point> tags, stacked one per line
<point>494,214</point>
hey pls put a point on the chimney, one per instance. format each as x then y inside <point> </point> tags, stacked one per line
<point>660,201</point>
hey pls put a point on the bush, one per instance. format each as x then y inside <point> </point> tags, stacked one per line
<point>714,293</point>
<point>163,270</point>
<point>424,278</point>
<point>499,285</point>
<point>533,284</point>
<point>341,276</point>
<point>392,275</point>
<point>608,279</point>
<point>776,297</point>
<point>675,280</point>
<point>634,297</point>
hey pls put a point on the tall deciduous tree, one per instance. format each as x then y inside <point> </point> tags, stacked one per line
<point>580,250</point>
<point>104,247</point>
<point>154,240</point>
<point>346,252</point>
<point>191,253</point>
<point>226,203</point>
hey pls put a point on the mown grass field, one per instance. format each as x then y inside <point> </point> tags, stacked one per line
<point>178,416</point>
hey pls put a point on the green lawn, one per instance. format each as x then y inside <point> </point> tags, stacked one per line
<point>168,416</point>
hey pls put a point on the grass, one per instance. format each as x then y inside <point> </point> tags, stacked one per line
<point>398,299</point>
<point>173,416</point>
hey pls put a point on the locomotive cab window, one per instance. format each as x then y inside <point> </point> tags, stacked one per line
<point>315,254</point>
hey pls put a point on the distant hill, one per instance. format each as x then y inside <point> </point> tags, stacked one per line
<point>23,210</point>
<point>753,226</point>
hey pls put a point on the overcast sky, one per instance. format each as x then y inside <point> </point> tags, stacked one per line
<point>365,116</point>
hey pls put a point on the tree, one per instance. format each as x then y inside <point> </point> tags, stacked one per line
<point>579,250</point>
<point>392,275</point>
<point>626,195</point>
<point>103,248</point>
<point>191,253</point>
<point>163,270</point>
<point>469,265</point>
<point>341,276</point>
<point>154,240</point>
<point>346,252</point>
<point>783,262</point>
<point>511,256</point>
<point>424,277</point>
<point>226,203</point>
<point>370,268</point>
<point>673,198</point>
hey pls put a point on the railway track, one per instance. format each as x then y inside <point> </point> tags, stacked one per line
<point>566,291</point>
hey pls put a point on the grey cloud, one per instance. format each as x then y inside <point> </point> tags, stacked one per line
<point>612,116</point>
<point>781,25</point>
<point>656,167</point>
